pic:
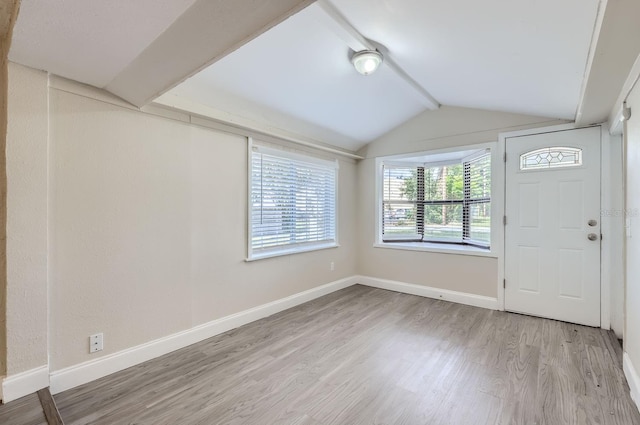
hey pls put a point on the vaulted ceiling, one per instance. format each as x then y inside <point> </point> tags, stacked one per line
<point>76,39</point>
<point>286,64</point>
<point>138,49</point>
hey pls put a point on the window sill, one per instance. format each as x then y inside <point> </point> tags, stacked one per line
<point>438,248</point>
<point>290,251</point>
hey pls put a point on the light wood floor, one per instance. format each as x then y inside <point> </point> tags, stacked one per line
<point>369,356</point>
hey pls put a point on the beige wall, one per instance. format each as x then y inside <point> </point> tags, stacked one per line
<point>149,229</point>
<point>450,126</point>
<point>27,220</point>
<point>632,136</point>
<point>146,223</point>
<point>445,127</point>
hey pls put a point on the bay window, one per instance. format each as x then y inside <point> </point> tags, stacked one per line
<point>447,200</point>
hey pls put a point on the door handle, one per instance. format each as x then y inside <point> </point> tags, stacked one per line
<point>592,237</point>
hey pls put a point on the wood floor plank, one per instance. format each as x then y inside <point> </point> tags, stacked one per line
<point>24,411</point>
<point>614,345</point>
<point>369,356</point>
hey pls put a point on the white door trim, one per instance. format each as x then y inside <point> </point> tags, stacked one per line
<point>606,204</point>
<point>605,278</point>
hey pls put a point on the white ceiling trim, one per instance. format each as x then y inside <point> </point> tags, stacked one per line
<point>356,41</point>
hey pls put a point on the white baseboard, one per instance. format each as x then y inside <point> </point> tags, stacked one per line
<point>632,378</point>
<point>64,379</point>
<point>429,292</point>
<point>25,383</point>
<point>73,376</point>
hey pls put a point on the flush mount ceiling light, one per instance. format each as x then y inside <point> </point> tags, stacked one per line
<point>366,61</point>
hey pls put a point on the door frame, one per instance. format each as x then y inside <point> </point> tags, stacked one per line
<point>605,203</point>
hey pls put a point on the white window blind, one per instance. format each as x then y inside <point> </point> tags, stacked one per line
<point>292,203</point>
<point>477,207</point>
<point>400,204</point>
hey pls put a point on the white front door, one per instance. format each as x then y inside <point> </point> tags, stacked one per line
<point>552,233</point>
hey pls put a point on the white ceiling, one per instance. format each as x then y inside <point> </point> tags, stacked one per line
<point>518,56</point>
<point>90,41</point>
<point>521,56</point>
<point>138,49</point>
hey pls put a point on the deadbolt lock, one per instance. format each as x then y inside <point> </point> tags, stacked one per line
<point>592,223</point>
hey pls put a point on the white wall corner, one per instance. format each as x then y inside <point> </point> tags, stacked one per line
<point>25,383</point>
<point>633,379</point>
<point>429,292</point>
<point>73,376</point>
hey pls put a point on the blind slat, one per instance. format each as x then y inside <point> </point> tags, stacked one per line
<point>293,202</point>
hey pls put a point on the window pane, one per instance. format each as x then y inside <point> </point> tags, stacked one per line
<point>399,220</point>
<point>443,222</point>
<point>443,183</point>
<point>399,183</point>
<point>480,177</point>
<point>292,201</point>
<point>440,203</point>
<point>480,222</point>
<point>552,157</point>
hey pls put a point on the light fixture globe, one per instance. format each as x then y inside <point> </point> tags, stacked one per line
<point>366,61</point>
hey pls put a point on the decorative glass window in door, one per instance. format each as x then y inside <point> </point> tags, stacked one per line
<point>552,157</point>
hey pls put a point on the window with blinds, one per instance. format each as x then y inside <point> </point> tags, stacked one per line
<point>292,203</point>
<point>438,202</point>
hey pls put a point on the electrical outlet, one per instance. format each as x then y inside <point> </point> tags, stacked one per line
<point>332,266</point>
<point>96,343</point>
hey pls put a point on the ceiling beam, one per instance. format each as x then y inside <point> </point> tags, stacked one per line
<point>356,42</point>
<point>597,29</point>
<point>616,115</point>
<point>202,35</point>
<point>615,47</point>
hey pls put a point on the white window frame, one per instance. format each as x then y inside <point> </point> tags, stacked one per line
<point>287,249</point>
<point>497,196</point>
